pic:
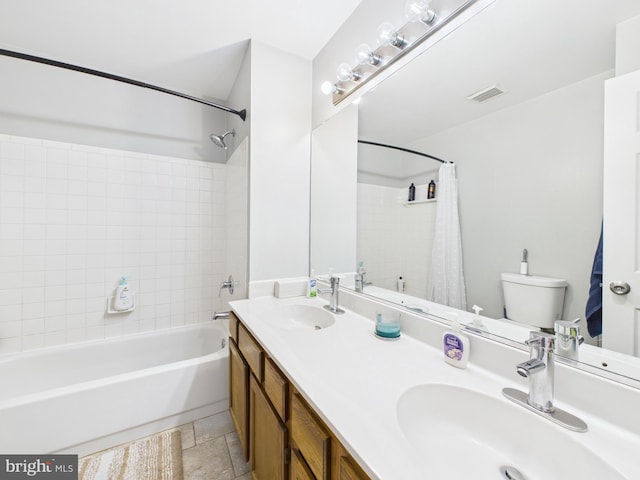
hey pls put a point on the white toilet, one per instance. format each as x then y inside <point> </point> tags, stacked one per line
<point>532,300</point>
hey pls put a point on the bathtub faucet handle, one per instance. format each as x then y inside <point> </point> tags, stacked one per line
<point>229,284</point>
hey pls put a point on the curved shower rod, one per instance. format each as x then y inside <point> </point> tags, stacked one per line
<point>45,61</point>
<point>403,149</point>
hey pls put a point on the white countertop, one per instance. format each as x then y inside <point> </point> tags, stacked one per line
<point>354,381</point>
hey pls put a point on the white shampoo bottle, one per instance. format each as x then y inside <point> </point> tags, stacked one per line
<point>124,298</point>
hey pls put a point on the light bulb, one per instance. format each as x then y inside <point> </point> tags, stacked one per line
<point>365,56</point>
<point>388,35</point>
<point>419,11</point>
<point>328,88</point>
<point>346,74</point>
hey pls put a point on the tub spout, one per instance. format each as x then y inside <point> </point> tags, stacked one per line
<point>217,315</point>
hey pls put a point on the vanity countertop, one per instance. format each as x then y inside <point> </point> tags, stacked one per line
<point>354,381</point>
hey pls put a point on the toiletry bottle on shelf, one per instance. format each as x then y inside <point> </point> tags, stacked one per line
<point>412,192</point>
<point>123,299</point>
<point>455,345</point>
<point>313,285</point>
<point>431,190</point>
<point>524,264</point>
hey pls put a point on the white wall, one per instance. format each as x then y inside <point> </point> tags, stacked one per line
<point>395,239</point>
<point>74,219</point>
<point>333,194</point>
<point>530,177</point>
<point>628,46</point>
<point>46,102</point>
<point>279,171</point>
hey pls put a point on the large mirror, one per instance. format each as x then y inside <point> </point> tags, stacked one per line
<point>529,161</point>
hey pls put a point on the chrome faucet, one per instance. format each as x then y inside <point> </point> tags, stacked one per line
<point>539,369</point>
<point>334,291</point>
<point>360,281</point>
<point>568,338</point>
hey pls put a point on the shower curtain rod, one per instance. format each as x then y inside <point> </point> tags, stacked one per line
<point>403,149</point>
<point>45,61</point>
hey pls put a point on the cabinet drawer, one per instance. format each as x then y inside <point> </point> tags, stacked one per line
<point>233,326</point>
<point>276,386</point>
<point>251,351</point>
<point>311,438</point>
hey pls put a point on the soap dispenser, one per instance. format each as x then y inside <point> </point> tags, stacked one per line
<point>477,320</point>
<point>455,345</point>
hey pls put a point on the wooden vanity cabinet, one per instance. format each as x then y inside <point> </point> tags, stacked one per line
<point>239,396</point>
<point>269,440</point>
<point>258,405</point>
<point>281,435</point>
<point>345,467</point>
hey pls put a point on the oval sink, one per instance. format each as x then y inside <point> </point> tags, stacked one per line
<point>301,317</point>
<point>467,434</point>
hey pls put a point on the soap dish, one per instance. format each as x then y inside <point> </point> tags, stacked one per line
<point>381,337</point>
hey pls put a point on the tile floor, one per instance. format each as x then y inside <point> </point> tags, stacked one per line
<point>211,450</point>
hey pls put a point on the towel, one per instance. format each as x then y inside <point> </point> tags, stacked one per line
<point>594,302</point>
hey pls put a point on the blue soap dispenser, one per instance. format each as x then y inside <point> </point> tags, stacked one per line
<point>455,345</point>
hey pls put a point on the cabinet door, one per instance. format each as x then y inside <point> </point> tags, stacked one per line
<point>310,437</point>
<point>299,468</point>
<point>268,437</point>
<point>239,396</point>
<point>349,470</point>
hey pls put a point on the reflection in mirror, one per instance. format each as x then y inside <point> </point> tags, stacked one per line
<point>529,161</point>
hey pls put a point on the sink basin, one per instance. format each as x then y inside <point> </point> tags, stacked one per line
<point>460,433</point>
<point>301,317</point>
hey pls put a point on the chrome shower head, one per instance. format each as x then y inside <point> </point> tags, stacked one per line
<point>219,139</point>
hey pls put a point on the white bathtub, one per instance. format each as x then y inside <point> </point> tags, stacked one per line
<point>90,396</point>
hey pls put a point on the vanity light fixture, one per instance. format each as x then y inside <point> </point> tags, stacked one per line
<point>425,18</point>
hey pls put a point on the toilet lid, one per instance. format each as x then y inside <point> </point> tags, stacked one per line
<point>533,280</point>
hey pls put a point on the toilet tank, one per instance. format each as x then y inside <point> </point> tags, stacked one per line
<point>536,301</point>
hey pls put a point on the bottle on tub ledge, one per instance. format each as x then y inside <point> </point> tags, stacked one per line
<point>412,193</point>
<point>123,299</point>
<point>400,284</point>
<point>431,190</point>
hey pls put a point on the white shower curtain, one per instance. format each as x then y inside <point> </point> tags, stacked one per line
<point>446,278</point>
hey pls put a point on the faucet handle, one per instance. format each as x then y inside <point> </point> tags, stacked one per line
<point>569,329</point>
<point>541,340</point>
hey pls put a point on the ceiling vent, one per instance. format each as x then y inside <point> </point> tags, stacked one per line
<point>486,93</point>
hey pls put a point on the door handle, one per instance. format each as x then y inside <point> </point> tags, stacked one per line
<point>620,288</point>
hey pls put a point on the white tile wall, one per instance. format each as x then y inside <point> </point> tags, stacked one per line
<point>394,240</point>
<point>74,219</point>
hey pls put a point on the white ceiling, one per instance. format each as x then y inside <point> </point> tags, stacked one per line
<point>528,47</point>
<point>192,46</point>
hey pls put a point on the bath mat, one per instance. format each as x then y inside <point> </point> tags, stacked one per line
<point>158,457</point>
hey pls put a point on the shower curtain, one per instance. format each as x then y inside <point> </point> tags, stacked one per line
<point>446,279</point>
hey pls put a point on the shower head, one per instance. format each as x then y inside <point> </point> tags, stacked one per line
<point>219,139</point>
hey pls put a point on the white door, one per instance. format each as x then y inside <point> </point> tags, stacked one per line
<point>621,210</point>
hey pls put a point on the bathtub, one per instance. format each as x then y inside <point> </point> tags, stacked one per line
<point>86,397</point>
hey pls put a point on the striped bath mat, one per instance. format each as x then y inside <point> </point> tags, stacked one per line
<point>158,457</point>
